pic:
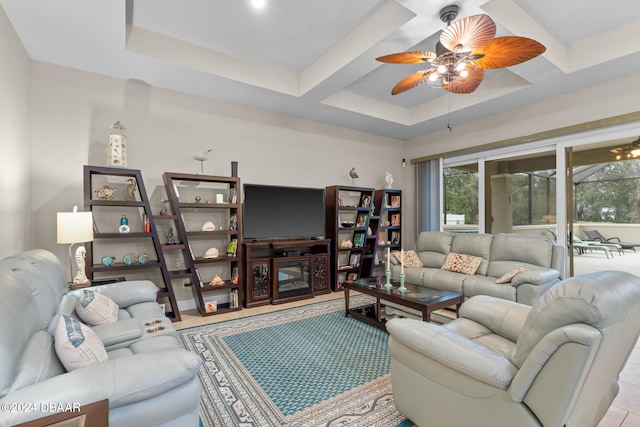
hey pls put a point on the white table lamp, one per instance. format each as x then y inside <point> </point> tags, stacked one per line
<point>76,227</point>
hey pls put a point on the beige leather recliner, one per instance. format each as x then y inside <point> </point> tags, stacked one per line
<point>506,364</point>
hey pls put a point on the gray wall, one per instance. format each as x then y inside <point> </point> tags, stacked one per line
<point>15,145</point>
<point>72,112</point>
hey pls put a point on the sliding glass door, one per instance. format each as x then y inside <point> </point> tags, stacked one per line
<point>521,194</point>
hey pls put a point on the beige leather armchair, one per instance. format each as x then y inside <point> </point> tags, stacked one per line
<point>506,364</point>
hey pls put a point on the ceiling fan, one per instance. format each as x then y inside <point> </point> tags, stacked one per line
<point>629,151</point>
<point>466,48</point>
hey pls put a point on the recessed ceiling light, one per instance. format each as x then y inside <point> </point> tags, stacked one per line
<point>258,4</point>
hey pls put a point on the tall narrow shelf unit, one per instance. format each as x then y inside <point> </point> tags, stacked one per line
<point>348,214</point>
<point>386,225</point>
<point>208,216</point>
<point>135,251</point>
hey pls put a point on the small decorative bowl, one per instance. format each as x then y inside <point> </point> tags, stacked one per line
<point>347,224</point>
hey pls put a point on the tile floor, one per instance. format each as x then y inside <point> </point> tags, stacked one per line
<point>625,410</point>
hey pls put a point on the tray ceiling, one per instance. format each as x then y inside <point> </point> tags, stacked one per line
<point>316,60</point>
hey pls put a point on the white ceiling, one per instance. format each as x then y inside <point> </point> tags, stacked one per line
<point>316,59</point>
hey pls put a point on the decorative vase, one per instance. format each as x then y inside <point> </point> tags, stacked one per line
<point>117,146</point>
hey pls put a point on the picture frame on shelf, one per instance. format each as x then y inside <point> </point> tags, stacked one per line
<point>365,200</point>
<point>354,260</point>
<point>395,219</point>
<point>233,222</point>
<point>361,220</point>
<point>232,247</point>
<point>358,240</point>
<point>211,306</point>
<point>395,201</point>
<point>233,195</point>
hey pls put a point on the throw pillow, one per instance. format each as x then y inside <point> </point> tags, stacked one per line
<point>96,309</point>
<point>411,258</point>
<point>462,263</point>
<point>77,345</point>
<point>506,277</point>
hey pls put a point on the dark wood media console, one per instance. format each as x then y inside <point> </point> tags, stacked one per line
<point>285,270</point>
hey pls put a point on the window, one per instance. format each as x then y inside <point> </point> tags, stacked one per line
<point>461,197</point>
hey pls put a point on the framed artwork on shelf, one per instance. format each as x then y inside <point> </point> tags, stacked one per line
<point>233,222</point>
<point>395,219</point>
<point>395,201</point>
<point>354,260</point>
<point>365,201</point>
<point>362,220</point>
<point>232,247</point>
<point>211,306</point>
<point>358,240</point>
<point>233,195</point>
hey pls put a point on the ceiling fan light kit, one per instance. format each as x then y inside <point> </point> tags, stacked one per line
<point>465,49</point>
<point>628,152</point>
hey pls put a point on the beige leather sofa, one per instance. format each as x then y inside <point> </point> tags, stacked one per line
<point>543,260</point>
<point>506,364</point>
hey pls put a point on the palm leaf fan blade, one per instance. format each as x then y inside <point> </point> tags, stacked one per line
<point>414,57</point>
<point>507,51</point>
<point>471,33</point>
<point>467,85</point>
<point>410,82</point>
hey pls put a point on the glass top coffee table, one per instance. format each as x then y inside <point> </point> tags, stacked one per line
<point>424,300</point>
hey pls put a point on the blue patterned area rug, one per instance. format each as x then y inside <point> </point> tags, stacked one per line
<point>305,366</point>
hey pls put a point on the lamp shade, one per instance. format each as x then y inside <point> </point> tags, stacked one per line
<point>75,227</point>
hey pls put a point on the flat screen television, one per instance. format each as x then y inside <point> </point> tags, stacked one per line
<point>274,212</point>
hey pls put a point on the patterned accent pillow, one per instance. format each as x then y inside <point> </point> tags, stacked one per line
<point>96,309</point>
<point>506,277</point>
<point>411,258</point>
<point>462,263</point>
<point>77,345</point>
